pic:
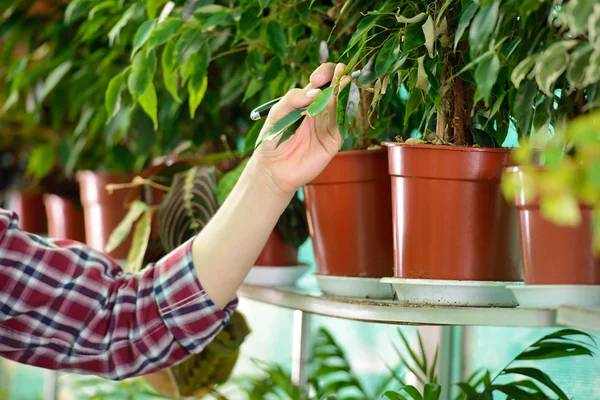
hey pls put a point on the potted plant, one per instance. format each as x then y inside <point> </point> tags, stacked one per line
<point>557,204</point>
<point>275,53</point>
<point>554,187</point>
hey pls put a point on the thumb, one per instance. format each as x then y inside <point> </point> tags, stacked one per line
<point>293,100</point>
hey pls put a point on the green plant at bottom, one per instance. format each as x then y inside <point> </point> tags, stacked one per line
<point>519,381</point>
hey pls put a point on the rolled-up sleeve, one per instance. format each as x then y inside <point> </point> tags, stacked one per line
<point>65,306</point>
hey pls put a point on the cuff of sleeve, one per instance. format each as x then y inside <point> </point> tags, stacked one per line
<point>191,316</point>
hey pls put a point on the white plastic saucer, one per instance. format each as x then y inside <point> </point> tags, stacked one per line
<point>554,296</point>
<point>275,276</point>
<point>429,292</point>
<point>355,287</point>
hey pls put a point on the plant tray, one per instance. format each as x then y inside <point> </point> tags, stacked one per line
<point>355,287</point>
<point>429,292</point>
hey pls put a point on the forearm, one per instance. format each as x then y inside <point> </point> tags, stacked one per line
<point>228,246</point>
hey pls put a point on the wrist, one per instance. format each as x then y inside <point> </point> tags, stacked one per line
<point>261,178</point>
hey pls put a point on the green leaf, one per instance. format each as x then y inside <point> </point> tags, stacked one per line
<point>188,207</point>
<point>41,161</point>
<point>468,390</point>
<point>421,75</point>
<point>248,22</point>
<point>523,69</point>
<point>413,392</point>
<point>113,35</point>
<point>289,132</point>
<point>142,73</point>
<point>276,38</point>
<point>414,37</point>
<point>120,233</point>
<point>394,396</point>
<point>149,104</point>
<point>593,71</point>
<point>364,26</point>
<point>415,100</point>
<point>320,102</point>
<point>252,136</point>
<point>497,104</point>
<point>565,333</point>
<point>577,68</point>
<point>263,4</point>
<point>54,78</point>
<point>196,94</point>
<point>482,26</point>
<point>112,98</point>
<point>255,62</point>
<point>139,243</point>
<point>523,106</point>
<point>430,35</point>
<point>539,376</point>
<point>228,182</point>
<point>465,20</point>
<point>282,125</point>
<point>272,69</point>
<point>142,35</point>
<point>551,350</point>
<point>151,8</point>
<point>561,209</point>
<point>347,107</point>
<point>254,87</point>
<point>187,45</point>
<point>551,64</point>
<point>486,74</point>
<point>594,26</point>
<point>368,74</point>
<point>170,74</point>
<point>163,32</point>
<point>578,12</point>
<point>432,391</point>
<point>387,56</point>
<point>513,392</point>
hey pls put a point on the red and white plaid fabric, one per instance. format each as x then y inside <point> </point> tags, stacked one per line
<point>65,306</point>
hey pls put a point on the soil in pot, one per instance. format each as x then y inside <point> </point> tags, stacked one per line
<point>554,254</point>
<point>450,219</point>
<point>30,209</point>
<point>350,216</point>
<point>103,210</point>
<point>277,253</point>
<point>65,218</point>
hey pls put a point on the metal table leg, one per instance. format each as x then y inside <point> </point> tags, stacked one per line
<point>301,347</point>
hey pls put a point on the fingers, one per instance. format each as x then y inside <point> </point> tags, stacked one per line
<point>293,100</point>
<point>323,74</point>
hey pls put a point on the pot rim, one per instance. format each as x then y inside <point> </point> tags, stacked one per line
<point>357,153</point>
<point>502,150</point>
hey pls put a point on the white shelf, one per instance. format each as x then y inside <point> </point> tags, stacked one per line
<point>310,300</point>
<point>579,317</point>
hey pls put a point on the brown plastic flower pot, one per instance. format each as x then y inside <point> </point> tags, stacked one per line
<point>103,211</point>
<point>451,221</point>
<point>277,253</point>
<point>30,209</point>
<point>65,218</point>
<point>554,254</point>
<point>350,216</point>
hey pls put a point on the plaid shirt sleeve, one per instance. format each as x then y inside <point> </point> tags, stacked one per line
<point>65,306</point>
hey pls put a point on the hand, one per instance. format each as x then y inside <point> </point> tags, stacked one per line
<point>302,157</point>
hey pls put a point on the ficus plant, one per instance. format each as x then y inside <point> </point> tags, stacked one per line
<point>571,173</point>
<point>470,71</point>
